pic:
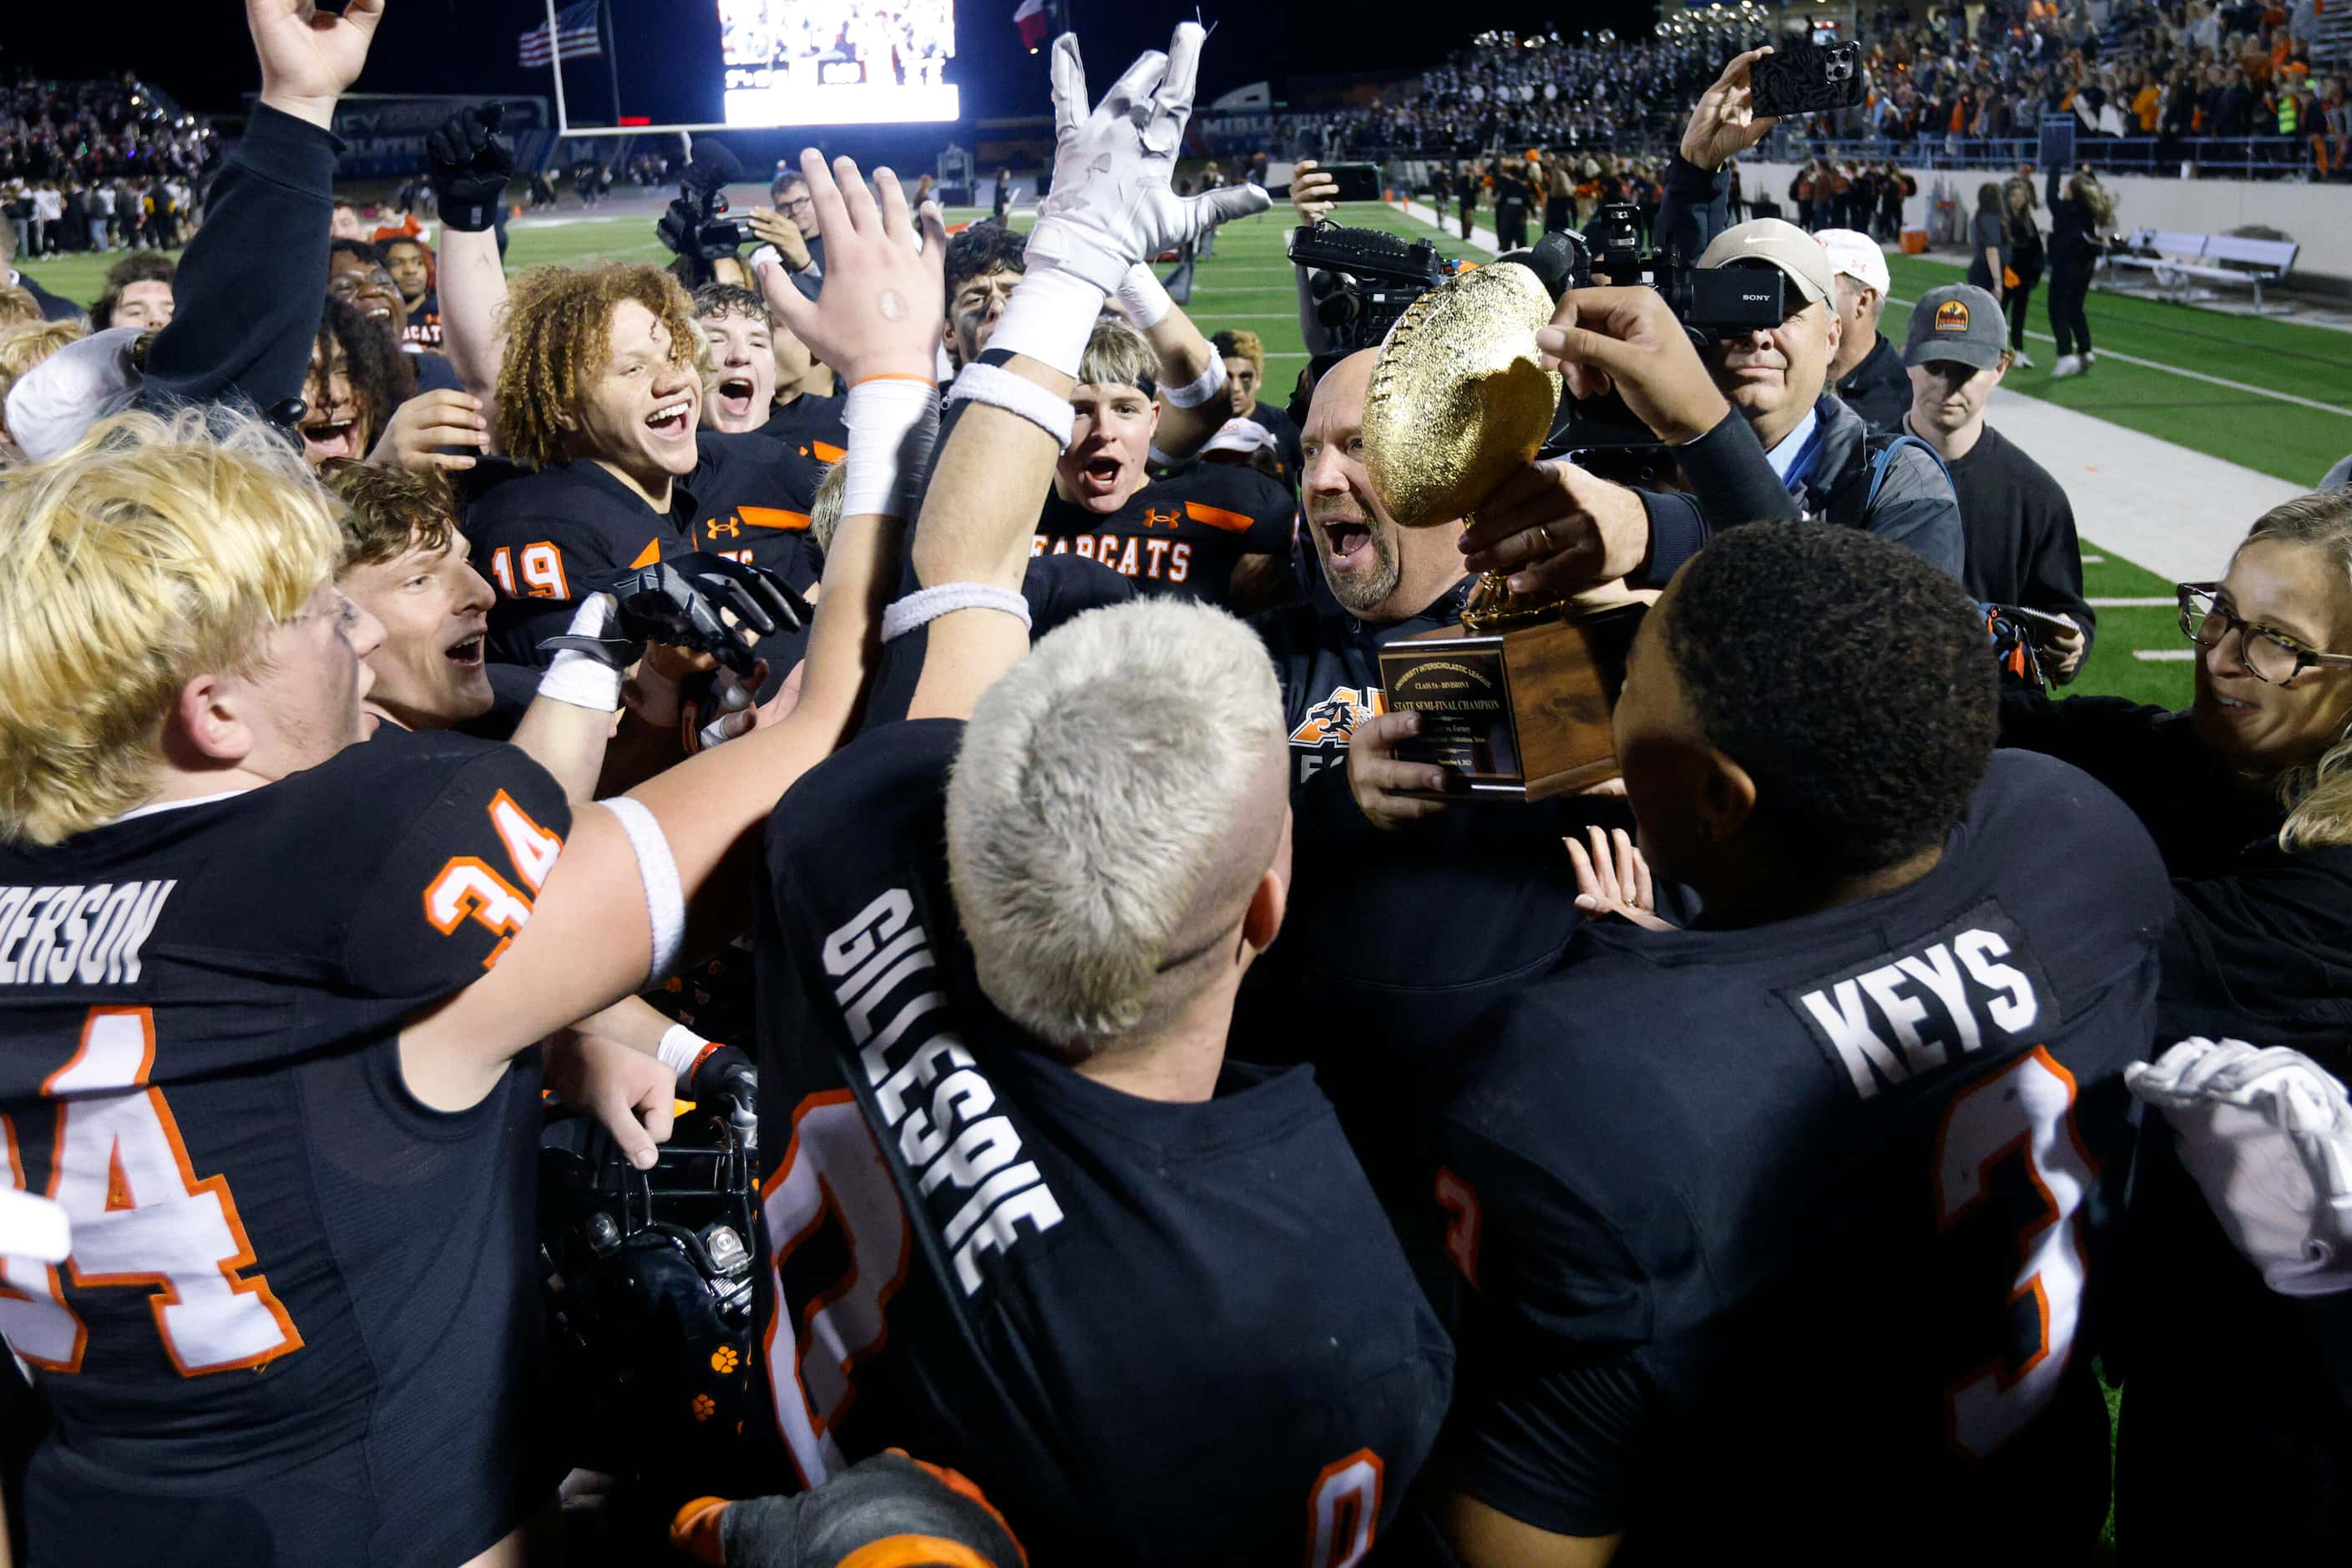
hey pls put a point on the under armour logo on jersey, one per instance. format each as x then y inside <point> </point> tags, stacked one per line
<point>1335,718</point>
<point>731,528</point>
<point>1154,518</point>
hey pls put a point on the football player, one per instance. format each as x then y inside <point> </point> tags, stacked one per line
<point>1814,1199</point>
<point>1216,532</point>
<point>1000,1130</point>
<point>252,1046</point>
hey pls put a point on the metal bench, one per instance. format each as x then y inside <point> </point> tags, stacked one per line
<point>2179,263</point>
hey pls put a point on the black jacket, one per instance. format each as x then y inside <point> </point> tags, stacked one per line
<point>2074,244</point>
<point>1732,483</point>
<point>249,286</point>
<point>2260,950</point>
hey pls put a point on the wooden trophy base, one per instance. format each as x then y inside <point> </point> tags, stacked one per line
<point>1520,713</point>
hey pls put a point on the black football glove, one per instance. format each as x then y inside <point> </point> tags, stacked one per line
<point>724,1080</point>
<point>469,163</point>
<point>877,1499</point>
<point>680,602</point>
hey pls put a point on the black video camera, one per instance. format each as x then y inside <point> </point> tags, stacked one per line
<point>1712,304</point>
<point>1363,279</point>
<point>694,227</point>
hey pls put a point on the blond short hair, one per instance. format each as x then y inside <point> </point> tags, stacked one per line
<point>24,346</point>
<point>1091,806</point>
<point>1117,355</point>
<point>17,306</point>
<point>151,552</point>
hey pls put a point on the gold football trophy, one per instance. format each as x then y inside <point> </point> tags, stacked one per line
<point>1516,699</point>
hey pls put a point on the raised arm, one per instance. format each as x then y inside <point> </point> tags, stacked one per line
<point>612,910</point>
<point>1111,207</point>
<point>469,163</point>
<point>249,286</point>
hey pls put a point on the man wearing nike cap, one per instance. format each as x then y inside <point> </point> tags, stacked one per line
<point>1554,525</point>
<point>1867,369</point>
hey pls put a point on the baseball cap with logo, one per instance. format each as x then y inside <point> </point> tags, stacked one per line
<point>1857,256</point>
<point>1777,244</point>
<point>1958,322</point>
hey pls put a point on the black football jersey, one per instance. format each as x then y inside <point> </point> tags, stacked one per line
<point>299,1323</point>
<point>810,425</point>
<point>1180,536</point>
<point>544,539</point>
<point>1153,1332</point>
<point>1328,663</point>
<point>1798,1232</point>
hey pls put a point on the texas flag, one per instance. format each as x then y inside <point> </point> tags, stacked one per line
<point>1031,19</point>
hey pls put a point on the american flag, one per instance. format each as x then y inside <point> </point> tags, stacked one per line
<point>575,34</point>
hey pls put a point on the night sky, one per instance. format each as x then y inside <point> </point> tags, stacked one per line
<point>197,50</point>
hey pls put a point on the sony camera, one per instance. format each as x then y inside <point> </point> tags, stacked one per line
<point>1712,304</point>
<point>1363,279</point>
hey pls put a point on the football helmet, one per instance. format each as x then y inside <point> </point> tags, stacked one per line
<point>648,1284</point>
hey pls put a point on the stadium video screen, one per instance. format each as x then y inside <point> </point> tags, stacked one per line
<point>837,62</point>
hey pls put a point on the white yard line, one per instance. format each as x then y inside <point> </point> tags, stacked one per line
<point>2190,374</point>
<point>2150,603</point>
<point>2165,654</point>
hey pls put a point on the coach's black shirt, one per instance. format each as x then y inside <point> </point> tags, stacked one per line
<point>301,1323</point>
<point>1180,536</point>
<point>1328,661</point>
<point>1817,1211</point>
<point>1155,1333</point>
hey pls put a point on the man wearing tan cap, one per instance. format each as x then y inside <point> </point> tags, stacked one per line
<point>1867,369</point>
<point>1892,485</point>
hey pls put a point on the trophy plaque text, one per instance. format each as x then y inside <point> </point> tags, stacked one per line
<point>1519,713</point>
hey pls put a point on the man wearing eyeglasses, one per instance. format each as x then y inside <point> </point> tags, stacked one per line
<point>802,248</point>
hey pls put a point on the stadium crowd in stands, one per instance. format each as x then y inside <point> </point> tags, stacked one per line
<point>774,910</point>
<point>2185,78</point>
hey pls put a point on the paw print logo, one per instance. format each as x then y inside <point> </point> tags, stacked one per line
<point>705,1407</point>
<point>724,1359</point>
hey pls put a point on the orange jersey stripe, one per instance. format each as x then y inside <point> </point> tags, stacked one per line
<point>1218,517</point>
<point>773,517</point>
<point>649,555</point>
<point>827,452</point>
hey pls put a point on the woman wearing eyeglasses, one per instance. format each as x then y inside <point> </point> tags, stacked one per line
<point>2236,1437</point>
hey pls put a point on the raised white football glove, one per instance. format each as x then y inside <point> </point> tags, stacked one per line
<point>2267,1134</point>
<point>1112,204</point>
<point>1227,203</point>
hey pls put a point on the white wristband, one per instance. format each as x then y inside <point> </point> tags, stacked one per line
<point>582,679</point>
<point>1146,302</point>
<point>925,605</point>
<point>893,424</point>
<point>1049,317</point>
<point>1000,388</point>
<point>1195,394</point>
<point>665,897</point>
<point>680,1046</point>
